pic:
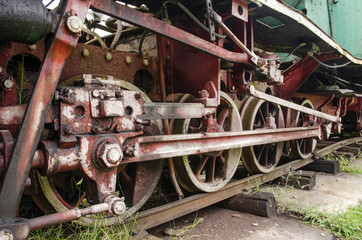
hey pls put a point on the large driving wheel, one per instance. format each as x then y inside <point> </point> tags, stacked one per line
<point>303,148</point>
<point>208,172</point>
<point>259,114</point>
<point>136,182</point>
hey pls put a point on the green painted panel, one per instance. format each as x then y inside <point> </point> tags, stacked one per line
<point>346,22</point>
<point>341,19</point>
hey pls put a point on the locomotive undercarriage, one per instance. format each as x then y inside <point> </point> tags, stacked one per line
<point>100,121</point>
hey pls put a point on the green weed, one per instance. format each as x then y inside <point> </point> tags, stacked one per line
<point>99,230</point>
<point>345,164</point>
<point>342,224</point>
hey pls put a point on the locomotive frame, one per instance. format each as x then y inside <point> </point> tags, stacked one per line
<point>100,125</point>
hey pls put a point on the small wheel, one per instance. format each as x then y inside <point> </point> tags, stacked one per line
<point>303,148</point>
<point>259,114</point>
<point>135,181</point>
<point>208,172</point>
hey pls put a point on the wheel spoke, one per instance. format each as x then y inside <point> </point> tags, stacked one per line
<point>222,116</point>
<point>210,170</point>
<point>200,165</point>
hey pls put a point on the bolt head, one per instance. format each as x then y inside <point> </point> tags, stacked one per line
<point>118,207</point>
<point>128,59</point>
<point>74,24</point>
<point>32,47</point>
<point>8,83</point>
<point>145,62</point>
<point>85,52</point>
<point>108,57</point>
<point>251,90</point>
<point>114,154</point>
<point>111,154</point>
<point>95,93</point>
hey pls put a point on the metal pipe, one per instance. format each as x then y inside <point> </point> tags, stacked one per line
<point>166,125</point>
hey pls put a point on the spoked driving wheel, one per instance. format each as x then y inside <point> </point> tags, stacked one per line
<point>259,114</point>
<point>136,182</point>
<point>208,172</point>
<point>303,148</point>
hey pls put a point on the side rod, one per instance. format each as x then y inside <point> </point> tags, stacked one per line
<point>157,147</point>
<point>127,14</point>
<point>294,106</point>
<point>62,45</point>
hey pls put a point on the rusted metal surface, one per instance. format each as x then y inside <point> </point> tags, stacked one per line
<point>294,106</point>
<point>96,63</point>
<point>34,119</point>
<point>296,75</point>
<point>146,21</point>
<point>155,147</point>
<point>156,216</point>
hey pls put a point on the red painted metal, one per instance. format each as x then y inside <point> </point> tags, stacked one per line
<point>296,75</point>
<point>146,21</point>
<point>62,45</point>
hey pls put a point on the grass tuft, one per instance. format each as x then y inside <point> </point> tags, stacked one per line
<point>346,225</point>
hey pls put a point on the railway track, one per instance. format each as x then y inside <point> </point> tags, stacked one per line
<point>159,215</point>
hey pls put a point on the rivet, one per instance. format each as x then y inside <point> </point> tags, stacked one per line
<point>128,59</point>
<point>145,62</point>
<point>108,56</point>
<point>32,47</point>
<point>85,52</point>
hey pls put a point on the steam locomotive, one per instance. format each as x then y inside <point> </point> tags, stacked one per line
<point>98,97</point>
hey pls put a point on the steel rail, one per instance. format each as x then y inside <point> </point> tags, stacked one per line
<point>162,214</point>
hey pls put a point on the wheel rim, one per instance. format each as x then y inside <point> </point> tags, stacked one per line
<point>136,182</point>
<point>256,114</point>
<point>303,148</point>
<point>210,171</point>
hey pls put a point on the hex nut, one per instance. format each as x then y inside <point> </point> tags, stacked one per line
<point>111,154</point>
<point>95,93</point>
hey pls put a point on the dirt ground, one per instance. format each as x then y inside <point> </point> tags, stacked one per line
<point>219,223</point>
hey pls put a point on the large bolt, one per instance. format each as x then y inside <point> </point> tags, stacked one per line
<point>118,207</point>
<point>110,154</point>
<point>8,83</point>
<point>6,234</point>
<point>114,154</point>
<point>74,24</point>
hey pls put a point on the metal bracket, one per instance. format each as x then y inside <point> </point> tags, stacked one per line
<point>209,12</point>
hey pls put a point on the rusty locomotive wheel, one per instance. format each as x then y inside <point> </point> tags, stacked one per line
<point>259,114</point>
<point>208,172</point>
<point>136,182</point>
<point>303,148</point>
